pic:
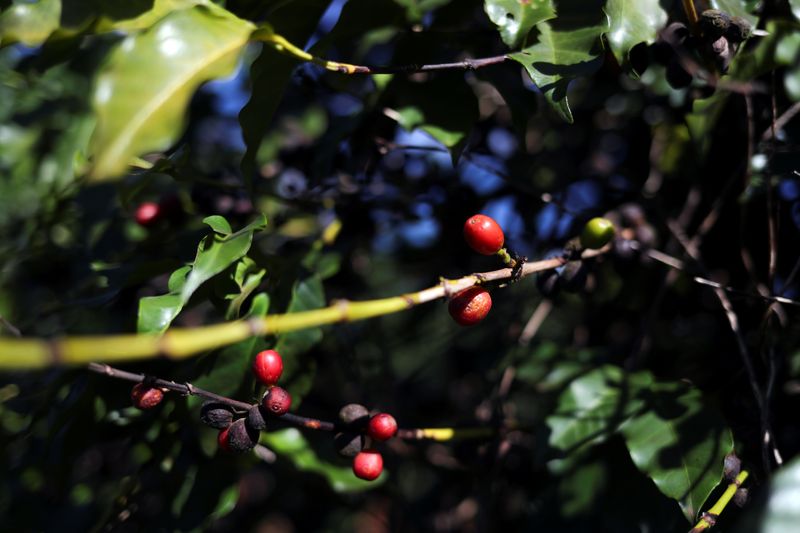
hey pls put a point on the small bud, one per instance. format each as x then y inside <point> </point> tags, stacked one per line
<point>740,496</point>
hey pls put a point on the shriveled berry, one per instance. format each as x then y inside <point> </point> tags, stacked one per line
<point>483,234</point>
<point>574,275</point>
<point>676,75</point>
<point>216,415</point>
<point>354,415</point>
<point>223,440</point>
<point>255,418</point>
<point>147,214</point>
<point>368,465</point>
<point>277,401</point>
<point>382,427</point>
<point>268,367</point>
<point>241,438</point>
<point>348,443</point>
<point>145,397</point>
<point>470,306</point>
<point>597,233</point>
<point>547,281</point>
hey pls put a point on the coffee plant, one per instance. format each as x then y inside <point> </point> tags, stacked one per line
<point>372,265</point>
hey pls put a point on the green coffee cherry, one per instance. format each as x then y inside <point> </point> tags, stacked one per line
<point>597,233</point>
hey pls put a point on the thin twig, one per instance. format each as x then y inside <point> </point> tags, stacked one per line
<point>709,518</point>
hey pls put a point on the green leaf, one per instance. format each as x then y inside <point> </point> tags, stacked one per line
<point>781,513</point>
<point>247,277</point>
<point>420,106</point>
<point>291,443</point>
<point>633,22</point>
<point>271,71</point>
<point>218,224</point>
<point>593,406</point>
<point>679,444</point>
<point>515,19</point>
<point>29,23</point>
<point>214,254</point>
<point>566,48</point>
<point>141,94</point>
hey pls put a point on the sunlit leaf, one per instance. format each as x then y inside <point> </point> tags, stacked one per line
<point>633,22</point>
<point>566,48</point>
<point>781,512</point>
<point>142,92</point>
<point>29,23</point>
<point>515,19</point>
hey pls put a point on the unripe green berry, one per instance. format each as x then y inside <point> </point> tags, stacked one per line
<point>597,233</point>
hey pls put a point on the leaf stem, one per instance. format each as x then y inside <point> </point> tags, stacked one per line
<point>709,518</point>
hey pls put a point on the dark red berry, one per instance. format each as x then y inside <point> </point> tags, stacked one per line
<point>382,427</point>
<point>145,397</point>
<point>241,438</point>
<point>368,465</point>
<point>348,443</point>
<point>222,440</point>
<point>268,367</point>
<point>483,234</point>
<point>216,415</point>
<point>354,415</point>
<point>277,401</point>
<point>470,306</point>
<point>147,214</point>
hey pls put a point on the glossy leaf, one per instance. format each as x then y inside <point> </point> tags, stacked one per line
<point>781,513</point>
<point>515,19</point>
<point>29,23</point>
<point>679,444</point>
<point>566,48</point>
<point>633,22</point>
<point>141,95</point>
<point>247,277</point>
<point>214,254</point>
<point>293,445</point>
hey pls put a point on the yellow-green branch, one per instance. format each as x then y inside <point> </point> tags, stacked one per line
<point>709,518</point>
<point>24,353</point>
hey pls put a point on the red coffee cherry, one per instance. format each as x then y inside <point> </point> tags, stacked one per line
<point>382,427</point>
<point>470,306</point>
<point>368,465</point>
<point>277,401</point>
<point>268,367</point>
<point>223,440</point>
<point>147,214</point>
<point>145,397</point>
<point>483,234</point>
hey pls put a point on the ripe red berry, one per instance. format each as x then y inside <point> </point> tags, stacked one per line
<point>145,397</point>
<point>382,427</point>
<point>470,306</point>
<point>147,214</point>
<point>222,440</point>
<point>368,465</point>
<point>277,401</point>
<point>268,367</point>
<point>483,234</point>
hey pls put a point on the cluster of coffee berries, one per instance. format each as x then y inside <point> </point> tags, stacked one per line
<point>239,431</point>
<point>713,46</point>
<point>146,397</point>
<point>357,429</point>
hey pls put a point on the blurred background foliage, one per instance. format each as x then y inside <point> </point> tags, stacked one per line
<point>631,390</point>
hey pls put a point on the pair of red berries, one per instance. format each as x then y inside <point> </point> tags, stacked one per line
<point>368,463</point>
<point>486,237</point>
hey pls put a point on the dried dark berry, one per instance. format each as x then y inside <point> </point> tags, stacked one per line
<point>639,57</point>
<point>255,418</point>
<point>714,23</point>
<point>547,282</point>
<point>349,443</point>
<point>277,401</point>
<point>240,437</point>
<point>355,415</point>
<point>216,415</point>
<point>677,76</point>
<point>574,275</point>
<point>739,30</point>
